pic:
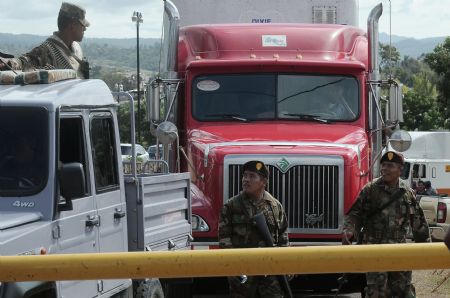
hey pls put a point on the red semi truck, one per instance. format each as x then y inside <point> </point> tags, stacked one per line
<point>289,83</point>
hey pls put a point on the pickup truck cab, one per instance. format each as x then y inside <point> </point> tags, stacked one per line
<point>435,209</point>
<point>63,190</point>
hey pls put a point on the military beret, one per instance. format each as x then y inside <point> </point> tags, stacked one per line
<point>257,167</point>
<point>74,11</point>
<point>392,157</point>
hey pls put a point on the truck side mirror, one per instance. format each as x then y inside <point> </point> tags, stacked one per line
<point>153,100</point>
<point>72,183</point>
<point>396,103</point>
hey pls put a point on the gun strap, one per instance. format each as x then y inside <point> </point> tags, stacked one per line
<point>395,196</point>
<point>241,202</point>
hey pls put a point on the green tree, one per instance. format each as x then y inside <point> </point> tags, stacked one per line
<point>389,59</point>
<point>409,67</point>
<point>421,109</point>
<point>439,61</point>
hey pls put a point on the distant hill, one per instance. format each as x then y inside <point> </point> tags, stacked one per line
<point>105,52</point>
<point>412,47</point>
<point>121,52</point>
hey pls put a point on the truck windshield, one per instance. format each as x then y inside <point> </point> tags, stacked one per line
<point>23,150</point>
<point>275,97</point>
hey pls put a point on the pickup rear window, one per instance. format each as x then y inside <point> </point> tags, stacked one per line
<point>23,150</point>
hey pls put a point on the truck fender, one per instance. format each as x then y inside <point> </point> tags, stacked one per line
<point>32,289</point>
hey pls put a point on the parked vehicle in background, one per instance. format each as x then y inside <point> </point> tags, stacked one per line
<point>156,154</point>
<point>142,158</point>
<point>436,210</point>
<point>428,159</point>
<point>141,155</point>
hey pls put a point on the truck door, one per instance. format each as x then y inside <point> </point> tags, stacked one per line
<point>75,230</point>
<point>108,189</point>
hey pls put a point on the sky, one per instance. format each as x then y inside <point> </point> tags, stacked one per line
<point>112,18</point>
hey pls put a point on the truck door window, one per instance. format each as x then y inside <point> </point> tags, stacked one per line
<point>405,171</point>
<point>24,150</point>
<point>104,154</point>
<point>419,171</point>
<point>72,145</point>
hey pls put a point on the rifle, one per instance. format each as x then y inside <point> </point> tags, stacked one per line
<point>345,276</point>
<point>260,222</point>
<point>395,196</point>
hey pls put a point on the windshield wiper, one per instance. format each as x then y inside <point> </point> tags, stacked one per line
<point>307,117</point>
<point>229,116</point>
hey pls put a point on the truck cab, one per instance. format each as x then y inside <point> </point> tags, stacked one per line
<point>63,190</point>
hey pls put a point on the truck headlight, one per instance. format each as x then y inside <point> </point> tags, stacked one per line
<point>199,224</point>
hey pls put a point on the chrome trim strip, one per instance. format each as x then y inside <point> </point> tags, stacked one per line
<point>211,146</point>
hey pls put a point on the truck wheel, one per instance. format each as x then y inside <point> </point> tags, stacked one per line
<point>149,288</point>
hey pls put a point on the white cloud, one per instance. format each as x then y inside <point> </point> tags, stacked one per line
<point>112,18</point>
<point>410,18</point>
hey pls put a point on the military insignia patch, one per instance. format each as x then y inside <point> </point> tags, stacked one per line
<point>258,166</point>
<point>390,155</point>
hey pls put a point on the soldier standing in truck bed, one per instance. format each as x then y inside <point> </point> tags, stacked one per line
<point>237,230</point>
<point>61,50</point>
<point>384,210</point>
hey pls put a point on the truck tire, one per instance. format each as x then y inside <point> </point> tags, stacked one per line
<point>149,288</point>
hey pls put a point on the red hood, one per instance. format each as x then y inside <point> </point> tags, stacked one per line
<point>329,133</point>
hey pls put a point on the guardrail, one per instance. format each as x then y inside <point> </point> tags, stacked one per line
<point>226,262</point>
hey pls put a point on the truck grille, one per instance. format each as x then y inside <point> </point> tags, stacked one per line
<point>309,193</point>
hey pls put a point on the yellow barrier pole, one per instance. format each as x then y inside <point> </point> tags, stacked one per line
<point>226,262</point>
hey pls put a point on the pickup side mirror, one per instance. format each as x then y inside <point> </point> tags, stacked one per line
<point>72,182</point>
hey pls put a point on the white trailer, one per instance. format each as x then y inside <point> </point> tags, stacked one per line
<point>428,159</point>
<point>267,11</point>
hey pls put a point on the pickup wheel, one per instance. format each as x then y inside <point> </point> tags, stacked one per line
<point>149,288</point>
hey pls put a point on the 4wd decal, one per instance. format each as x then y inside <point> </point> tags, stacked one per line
<point>23,204</point>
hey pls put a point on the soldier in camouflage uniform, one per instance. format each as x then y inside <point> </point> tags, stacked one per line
<point>237,230</point>
<point>59,51</point>
<point>385,209</point>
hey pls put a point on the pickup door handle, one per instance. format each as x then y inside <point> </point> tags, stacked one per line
<point>93,221</point>
<point>119,214</point>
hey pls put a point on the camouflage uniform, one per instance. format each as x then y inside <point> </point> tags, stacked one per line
<point>52,54</point>
<point>389,225</point>
<point>236,230</point>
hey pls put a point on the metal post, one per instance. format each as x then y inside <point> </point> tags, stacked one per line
<point>137,17</point>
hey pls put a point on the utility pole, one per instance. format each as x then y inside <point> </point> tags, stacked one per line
<point>137,17</point>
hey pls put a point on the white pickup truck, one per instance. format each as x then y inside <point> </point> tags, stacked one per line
<point>436,209</point>
<point>63,190</point>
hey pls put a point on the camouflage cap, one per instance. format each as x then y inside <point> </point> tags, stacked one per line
<point>392,156</point>
<point>74,11</point>
<point>257,167</point>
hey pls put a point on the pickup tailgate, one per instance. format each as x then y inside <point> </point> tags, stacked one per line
<point>159,212</point>
<point>429,206</point>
